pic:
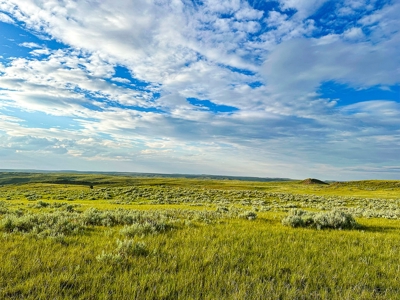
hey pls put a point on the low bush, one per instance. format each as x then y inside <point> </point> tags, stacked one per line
<point>3,207</point>
<point>41,204</point>
<point>145,228</point>
<point>335,219</point>
<point>46,224</point>
<point>249,215</point>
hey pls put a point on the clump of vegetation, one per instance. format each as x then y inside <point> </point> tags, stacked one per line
<point>124,250</point>
<point>41,204</point>
<point>3,207</point>
<point>32,196</point>
<point>335,219</point>
<point>249,215</point>
<point>45,224</point>
<point>146,228</point>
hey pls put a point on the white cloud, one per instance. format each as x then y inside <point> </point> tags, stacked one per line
<point>296,68</point>
<point>376,112</point>
<point>354,34</point>
<point>248,13</point>
<point>59,84</point>
<point>383,23</point>
<point>30,45</point>
<point>121,80</point>
<point>304,8</point>
<point>151,44</point>
<point>6,19</point>
<point>276,18</point>
<point>39,52</point>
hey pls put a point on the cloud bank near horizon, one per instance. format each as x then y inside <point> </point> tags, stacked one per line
<point>264,88</point>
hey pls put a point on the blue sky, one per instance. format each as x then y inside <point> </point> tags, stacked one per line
<point>288,88</point>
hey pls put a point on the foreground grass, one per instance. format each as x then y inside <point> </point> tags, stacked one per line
<point>203,254</point>
<point>237,259</point>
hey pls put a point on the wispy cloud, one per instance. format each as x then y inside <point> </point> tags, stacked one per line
<point>5,18</point>
<point>30,45</point>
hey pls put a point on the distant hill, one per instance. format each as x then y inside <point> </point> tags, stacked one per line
<point>369,184</point>
<point>8,176</point>
<point>313,181</point>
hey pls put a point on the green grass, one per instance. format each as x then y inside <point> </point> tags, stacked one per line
<point>188,241</point>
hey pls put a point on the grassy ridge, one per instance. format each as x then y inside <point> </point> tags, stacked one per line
<point>192,239</point>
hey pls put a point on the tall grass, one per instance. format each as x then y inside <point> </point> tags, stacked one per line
<point>234,260</point>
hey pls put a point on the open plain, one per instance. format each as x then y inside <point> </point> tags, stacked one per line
<point>98,236</point>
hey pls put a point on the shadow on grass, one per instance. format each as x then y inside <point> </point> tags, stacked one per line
<point>376,228</point>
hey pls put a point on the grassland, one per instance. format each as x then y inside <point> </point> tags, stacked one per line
<point>175,238</point>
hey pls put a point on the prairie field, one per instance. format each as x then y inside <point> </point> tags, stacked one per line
<point>100,236</point>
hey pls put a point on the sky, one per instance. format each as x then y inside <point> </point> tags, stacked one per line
<point>287,88</point>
